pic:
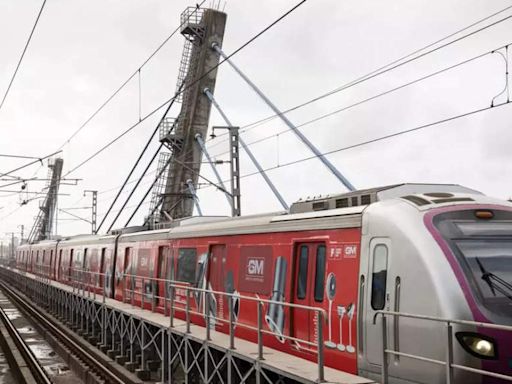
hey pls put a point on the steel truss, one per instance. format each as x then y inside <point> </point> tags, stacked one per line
<point>167,354</point>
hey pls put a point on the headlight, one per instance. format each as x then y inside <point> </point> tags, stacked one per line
<point>478,345</point>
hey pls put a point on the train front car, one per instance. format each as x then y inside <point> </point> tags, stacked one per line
<point>440,255</point>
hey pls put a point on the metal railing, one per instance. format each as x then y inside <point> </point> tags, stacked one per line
<point>450,366</point>
<point>91,284</point>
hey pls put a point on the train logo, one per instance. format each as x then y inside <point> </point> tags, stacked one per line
<point>350,251</point>
<point>255,268</point>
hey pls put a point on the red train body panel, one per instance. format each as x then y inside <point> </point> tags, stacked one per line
<point>300,267</point>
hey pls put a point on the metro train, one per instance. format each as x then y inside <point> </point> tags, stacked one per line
<point>443,251</point>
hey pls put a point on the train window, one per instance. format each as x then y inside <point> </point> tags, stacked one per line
<point>320,273</point>
<point>302,276</point>
<point>379,274</point>
<point>162,256</point>
<point>186,265</point>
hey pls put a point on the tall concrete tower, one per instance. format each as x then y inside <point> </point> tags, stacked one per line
<point>43,225</point>
<point>201,28</point>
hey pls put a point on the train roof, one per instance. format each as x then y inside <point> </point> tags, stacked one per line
<point>372,195</point>
<point>321,212</point>
<point>261,223</point>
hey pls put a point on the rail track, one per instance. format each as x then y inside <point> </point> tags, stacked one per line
<point>23,362</point>
<point>98,370</point>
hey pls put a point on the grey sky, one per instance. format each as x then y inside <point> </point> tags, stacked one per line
<point>83,50</point>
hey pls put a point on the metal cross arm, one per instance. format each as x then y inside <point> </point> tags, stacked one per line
<point>248,151</point>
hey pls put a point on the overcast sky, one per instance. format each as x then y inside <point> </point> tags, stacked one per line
<point>83,50</point>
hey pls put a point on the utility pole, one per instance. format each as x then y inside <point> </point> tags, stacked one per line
<point>247,151</point>
<point>234,160</point>
<point>94,207</point>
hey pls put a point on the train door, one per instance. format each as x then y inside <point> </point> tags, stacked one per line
<point>58,266</point>
<point>100,277</point>
<point>128,279</point>
<point>51,266</point>
<point>218,281</point>
<point>377,298</point>
<point>163,255</point>
<point>169,271</point>
<point>309,276</point>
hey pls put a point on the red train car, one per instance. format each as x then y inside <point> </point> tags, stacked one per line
<point>334,262</point>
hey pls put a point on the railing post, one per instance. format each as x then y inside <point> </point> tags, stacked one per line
<point>132,290</point>
<point>207,314</point>
<point>320,341</point>
<point>187,310</point>
<point>231,323</point>
<point>154,296</point>
<point>384,377</point>
<point>142,293</point>
<point>171,313</point>
<point>166,296</point>
<point>449,353</point>
<point>260,335</point>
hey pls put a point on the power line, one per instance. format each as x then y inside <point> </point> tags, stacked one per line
<point>391,66</point>
<point>136,164</point>
<point>372,98</point>
<point>381,138</point>
<point>188,86</point>
<point>29,164</point>
<point>22,54</point>
<point>18,156</point>
<point>385,68</point>
<point>136,72</point>
<point>133,189</point>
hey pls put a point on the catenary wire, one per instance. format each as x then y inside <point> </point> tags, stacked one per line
<point>146,146</point>
<point>224,60</point>
<point>186,87</point>
<point>29,164</point>
<point>381,70</point>
<point>361,102</point>
<point>137,71</point>
<point>134,188</point>
<point>377,139</point>
<point>23,54</point>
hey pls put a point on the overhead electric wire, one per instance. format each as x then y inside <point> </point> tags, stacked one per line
<point>395,64</point>
<point>380,138</point>
<point>220,63</point>
<point>134,188</point>
<point>383,69</point>
<point>22,54</point>
<point>186,87</point>
<point>137,71</point>
<point>361,102</point>
<point>29,164</point>
<point>136,164</point>
<point>391,66</point>
<point>19,156</point>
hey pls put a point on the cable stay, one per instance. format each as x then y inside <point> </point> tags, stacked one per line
<point>295,130</point>
<point>248,151</point>
<point>192,191</point>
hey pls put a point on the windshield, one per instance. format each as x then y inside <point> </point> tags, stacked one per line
<point>490,262</point>
<point>484,250</point>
